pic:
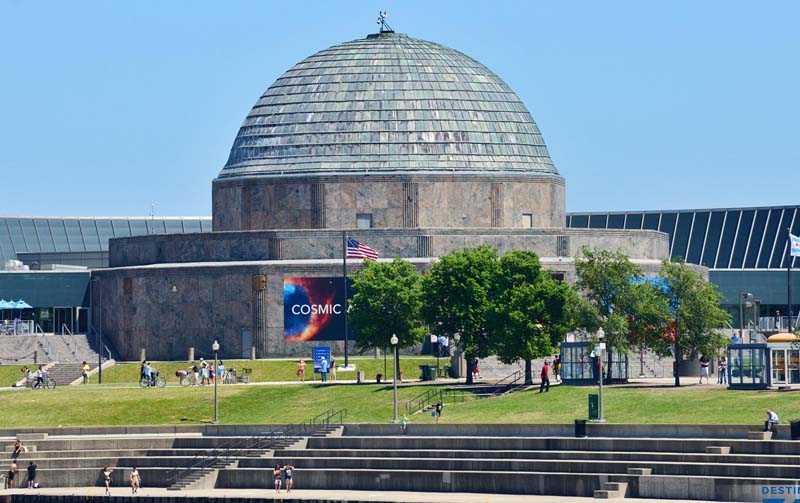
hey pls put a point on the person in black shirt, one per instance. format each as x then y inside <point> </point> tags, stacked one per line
<point>287,476</point>
<point>31,474</point>
<point>438,411</point>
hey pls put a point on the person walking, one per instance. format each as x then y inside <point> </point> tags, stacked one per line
<point>220,372</point>
<point>438,410</point>
<point>195,373</point>
<point>107,479</point>
<point>333,368</point>
<point>12,473</point>
<point>288,470</point>
<point>136,481</point>
<point>204,373</point>
<point>722,370</point>
<point>545,377</point>
<point>301,370</point>
<point>323,369</point>
<point>276,474</point>
<point>704,362</point>
<point>85,372</point>
<point>32,475</point>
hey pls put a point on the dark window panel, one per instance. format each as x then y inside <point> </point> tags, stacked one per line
<point>698,237</point>
<point>59,235</point>
<point>193,225</point>
<point>174,226</point>
<point>682,230</point>
<point>770,237</point>
<point>156,227</point>
<point>634,221</point>
<point>90,237</point>
<point>29,234</point>
<point>569,221</point>
<point>6,246</point>
<point>779,252</point>
<point>138,228</point>
<point>727,239</point>
<point>15,232</point>
<point>713,238</point>
<point>106,231</point>
<point>796,232</point>
<point>668,225</point>
<point>580,221</point>
<point>598,221</point>
<point>74,236</point>
<point>616,221</point>
<point>122,228</point>
<point>651,221</point>
<point>44,235</point>
<point>740,246</point>
<point>759,224</point>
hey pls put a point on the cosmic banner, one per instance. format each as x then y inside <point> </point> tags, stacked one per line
<point>313,309</point>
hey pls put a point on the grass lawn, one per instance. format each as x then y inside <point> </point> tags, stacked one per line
<point>271,370</point>
<point>107,404</point>
<point>9,374</point>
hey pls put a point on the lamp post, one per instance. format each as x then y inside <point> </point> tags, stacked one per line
<point>601,347</point>
<point>215,348</point>
<point>742,301</point>
<point>394,342</point>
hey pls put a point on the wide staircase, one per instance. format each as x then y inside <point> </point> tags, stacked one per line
<point>522,459</point>
<point>46,348</point>
<point>169,457</point>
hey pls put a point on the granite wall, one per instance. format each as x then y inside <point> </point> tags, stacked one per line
<point>406,243</point>
<point>439,200</point>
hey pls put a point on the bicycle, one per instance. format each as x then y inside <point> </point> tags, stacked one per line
<point>155,381</point>
<point>47,382</point>
<point>186,378</point>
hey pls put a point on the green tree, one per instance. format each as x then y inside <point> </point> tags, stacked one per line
<point>387,300</point>
<point>531,311</point>
<point>457,291</point>
<point>698,317</point>
<point>605,280</point>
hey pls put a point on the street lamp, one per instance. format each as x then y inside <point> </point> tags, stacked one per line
<point>601,347</point>
<point>215,348</point>
<point>743,297</point>
<point>394,342</point>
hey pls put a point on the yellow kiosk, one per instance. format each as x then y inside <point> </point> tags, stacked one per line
<point>784,359</point>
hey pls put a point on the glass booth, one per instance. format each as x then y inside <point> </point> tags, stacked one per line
<point>784,359</point>
<point>579,366</point>
<point>748,366</point>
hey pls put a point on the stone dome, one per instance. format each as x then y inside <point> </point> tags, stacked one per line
<point>388,104</point>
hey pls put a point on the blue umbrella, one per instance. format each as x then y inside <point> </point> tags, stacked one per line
<point>21,304</point>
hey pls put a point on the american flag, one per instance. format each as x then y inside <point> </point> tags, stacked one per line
<point>359,250</point>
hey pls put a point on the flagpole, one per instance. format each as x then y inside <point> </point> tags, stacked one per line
<point>789,275</point>
<point>344,278</point>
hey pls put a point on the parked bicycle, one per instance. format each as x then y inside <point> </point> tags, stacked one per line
<point>155,380</point>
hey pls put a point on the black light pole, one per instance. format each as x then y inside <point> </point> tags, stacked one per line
<point>394,342</point>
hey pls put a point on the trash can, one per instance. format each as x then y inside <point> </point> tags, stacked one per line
<point>427,372</point>
<point>794,425</point>
<point>360,377</point>
<point>580,428</point>
<point>594,406</point>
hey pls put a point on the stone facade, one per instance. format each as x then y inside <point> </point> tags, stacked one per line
<point>454,201</point>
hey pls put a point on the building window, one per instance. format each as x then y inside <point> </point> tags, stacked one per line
<point>527,220</point>
<point>364,220</point>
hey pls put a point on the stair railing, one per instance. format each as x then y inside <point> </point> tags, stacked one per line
<point>511,380</point>
<point>263,441</point>
<point>48,350</point>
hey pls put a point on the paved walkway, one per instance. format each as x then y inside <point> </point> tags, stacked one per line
<point>333,494</point>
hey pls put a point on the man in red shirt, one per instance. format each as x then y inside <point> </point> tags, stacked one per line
<point>545,376</point>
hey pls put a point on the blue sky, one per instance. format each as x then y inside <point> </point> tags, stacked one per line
<point>107,107</point>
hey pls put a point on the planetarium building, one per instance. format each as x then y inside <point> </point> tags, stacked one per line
<point>408,146</point>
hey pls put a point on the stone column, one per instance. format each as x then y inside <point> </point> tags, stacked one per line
<point>260,336</point>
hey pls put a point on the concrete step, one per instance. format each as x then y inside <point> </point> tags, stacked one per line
<point>718,449</point>
<point>612,490</point>
<point>759,435</point>
<point>640,471</point>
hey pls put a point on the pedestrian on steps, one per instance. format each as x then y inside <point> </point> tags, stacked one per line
<point>276,474</point>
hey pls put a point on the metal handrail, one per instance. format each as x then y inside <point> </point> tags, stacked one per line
<point>513,379</point>
<point>262,441</point>
<point>48,351</point>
